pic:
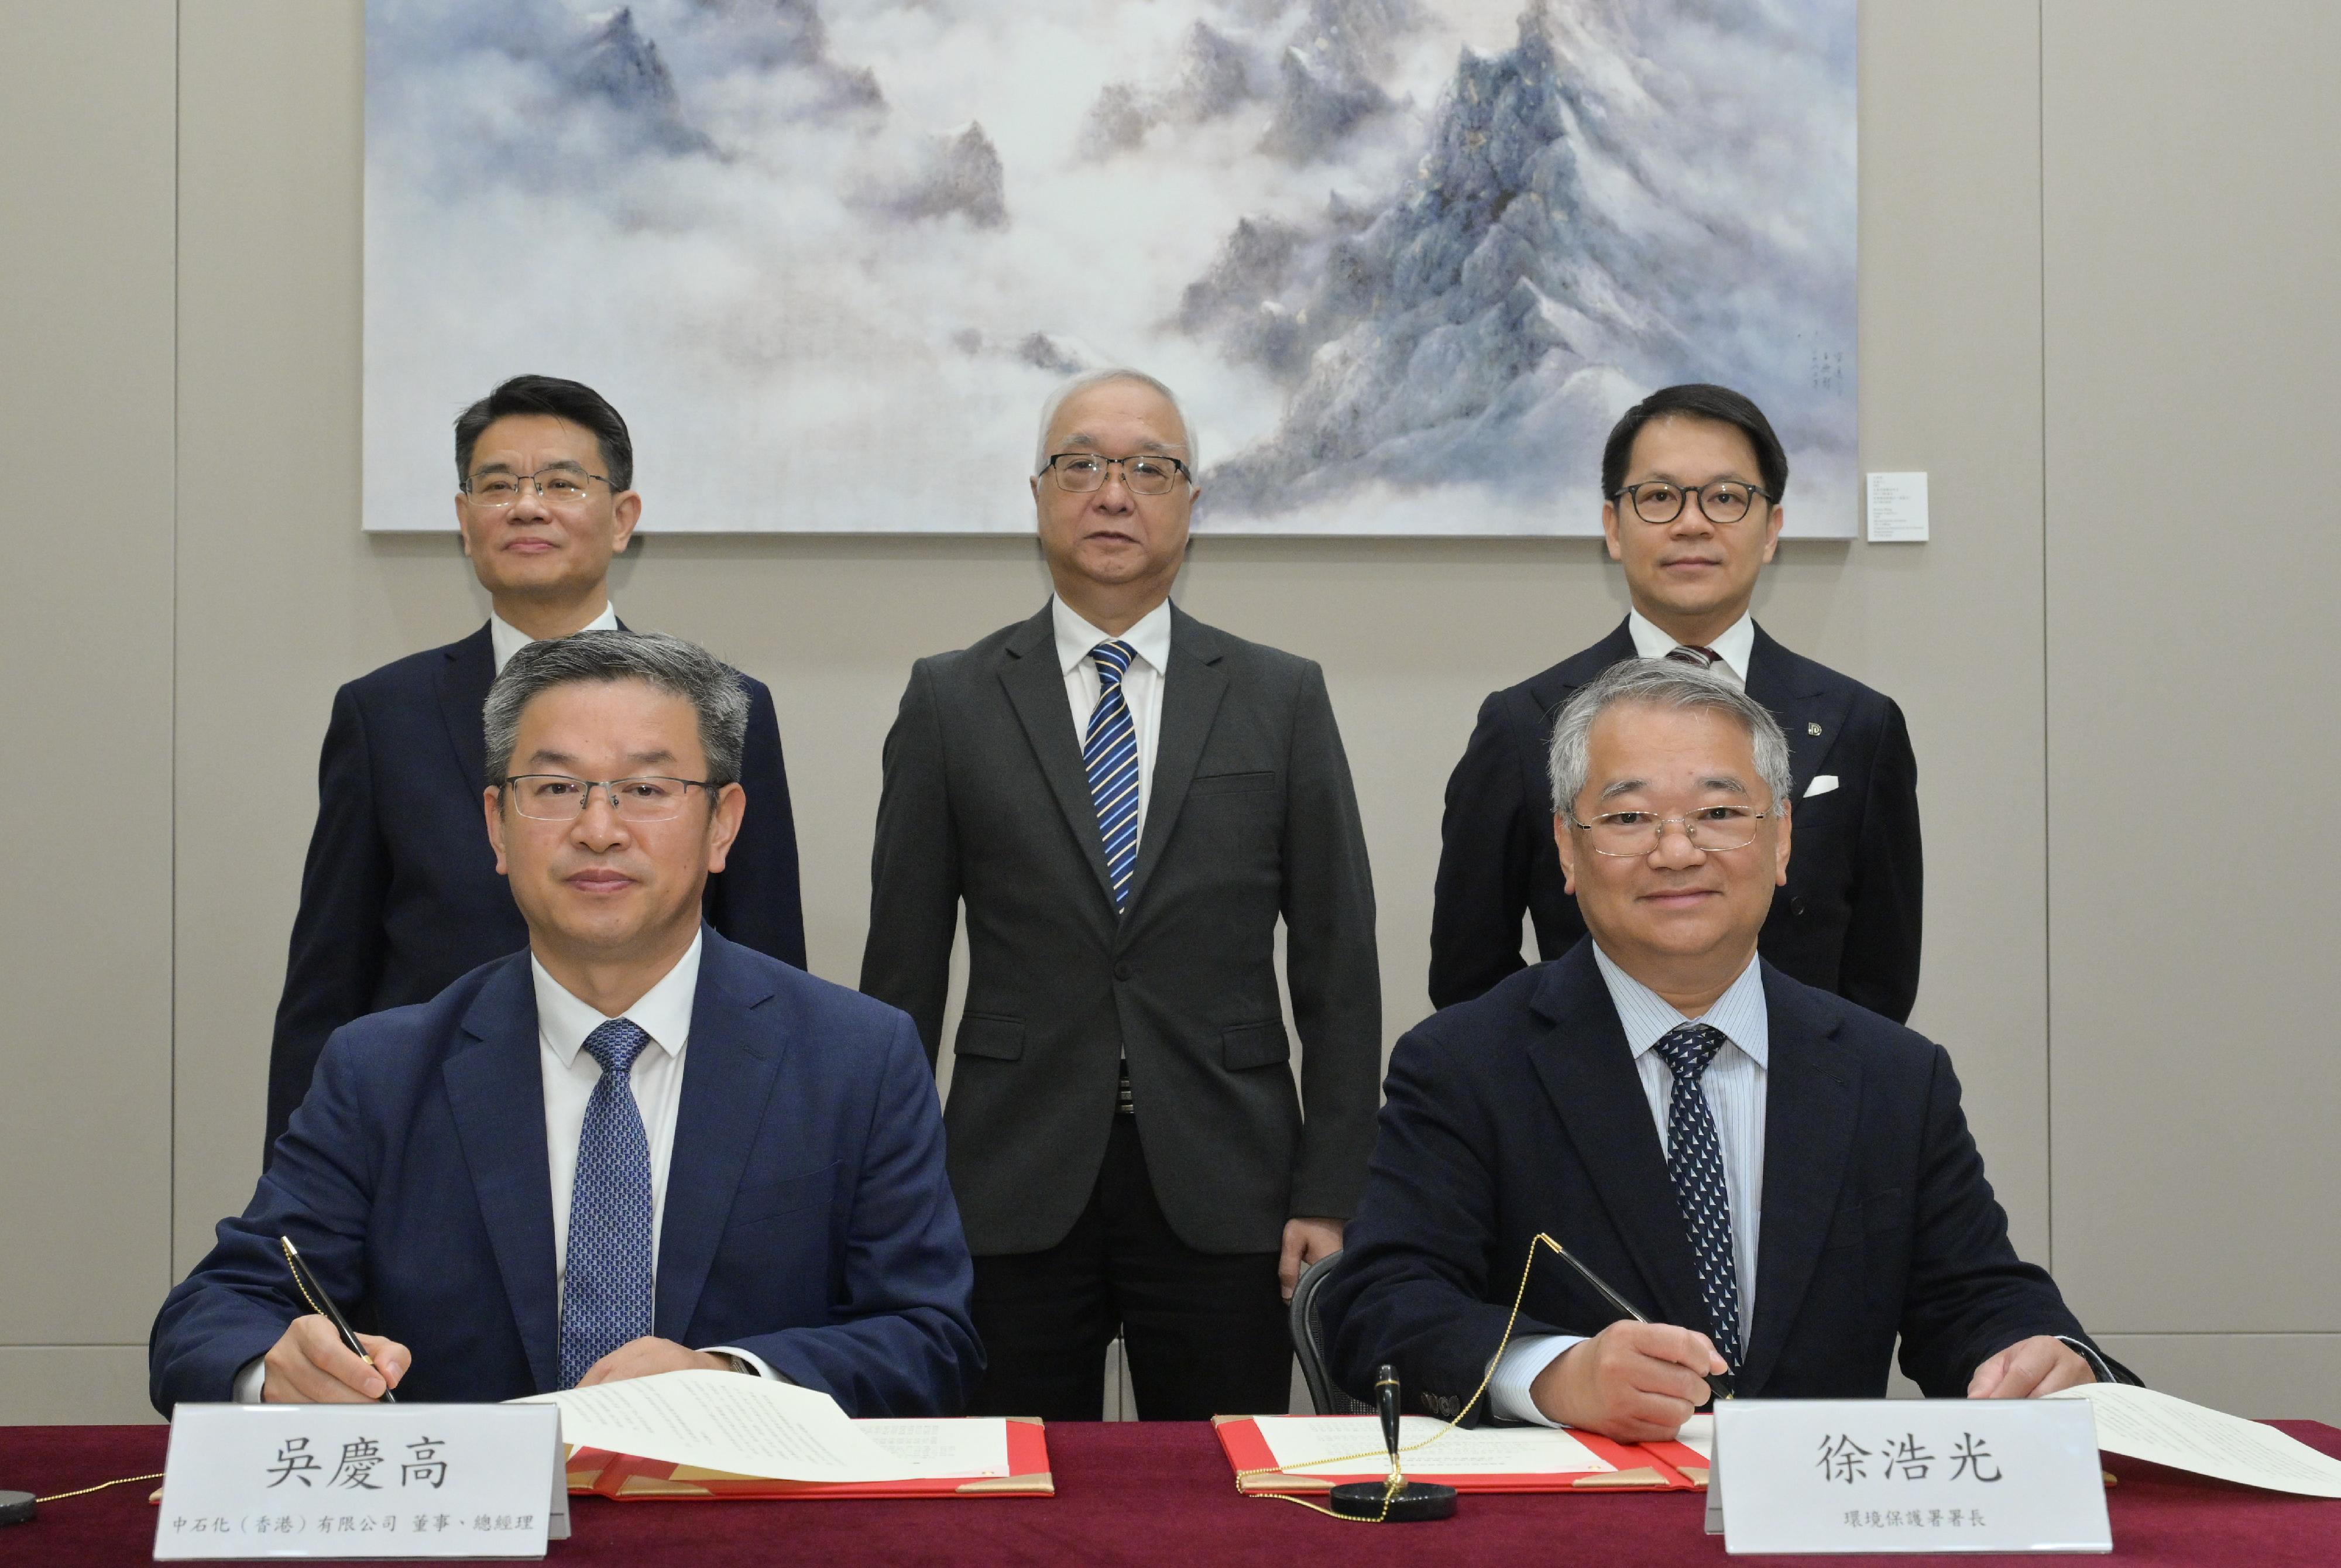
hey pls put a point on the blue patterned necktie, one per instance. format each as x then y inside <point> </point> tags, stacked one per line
<point>1695,1166</point>
<point>605,1297</point>
<point>1110,753</point>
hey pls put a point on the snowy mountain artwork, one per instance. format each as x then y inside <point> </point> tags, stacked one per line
<point>1405,260</point>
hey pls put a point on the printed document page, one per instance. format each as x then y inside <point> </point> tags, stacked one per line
<point>723,1420</point>
<point>2144,1424</point>
<point>1303,1444</point>
<point>966,1449</point>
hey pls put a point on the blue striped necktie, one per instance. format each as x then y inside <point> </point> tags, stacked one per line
<point>1695,1167</point>
<point>606,1286</point>
<point>1110,753</point>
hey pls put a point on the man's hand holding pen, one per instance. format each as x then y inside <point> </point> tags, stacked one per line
<point>309,1364</point>
<point>1635,1381</point>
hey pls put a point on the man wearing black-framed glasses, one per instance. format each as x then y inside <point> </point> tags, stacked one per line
<point>1126,802</point>
<point>400,895</point>
<point>1695,477</point>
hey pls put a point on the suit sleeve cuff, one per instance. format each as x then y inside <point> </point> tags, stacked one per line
<point>2088,1353</point>
<point>251,1378</point>
<point>749,1360</point>
<point>1518,1369</point>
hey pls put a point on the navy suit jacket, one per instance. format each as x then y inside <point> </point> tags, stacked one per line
<point>1522,1112</point>
<point>807,1219</point>
<point>401,895</point>
<point>1847,921</point>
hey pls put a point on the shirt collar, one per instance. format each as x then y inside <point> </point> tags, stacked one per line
<point>1738,1013</point>
<point>508,639</point>
<point>1733,645</point>
<point>663,1013</point>
<point>1151,637</point>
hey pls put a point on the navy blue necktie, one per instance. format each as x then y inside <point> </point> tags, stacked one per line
<point>1110,753</point>
<point>1695,1166</point>
<point>606,1289</point>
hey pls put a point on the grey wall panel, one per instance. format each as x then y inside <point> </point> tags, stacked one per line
<point>75,1385</point>
<point>2192,332</point>
<point>86,617</point>
<point>2266,1376</point>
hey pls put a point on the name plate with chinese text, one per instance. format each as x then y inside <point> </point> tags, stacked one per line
<point>362,1481</point>
<point>1906,1475</point>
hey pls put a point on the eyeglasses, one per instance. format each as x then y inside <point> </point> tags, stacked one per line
<point>560,486</point>
<point>1725,500</point>
<point>1630,834</point>
<point>557,797</point>
<point>1149,474</point>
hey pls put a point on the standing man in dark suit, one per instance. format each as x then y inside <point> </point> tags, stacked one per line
<point>400,895</point>
<point>1126,801</point>
<point>632,1147</point>
<point>1694,476</point>
<point>1782,1180</point>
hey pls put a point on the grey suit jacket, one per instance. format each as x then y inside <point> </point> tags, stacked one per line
<point>1251,815</point>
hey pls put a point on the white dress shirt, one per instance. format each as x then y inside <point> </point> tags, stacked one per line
<point>569,1074</point>
<point>1734,1086</point>
<point>1733,646</point>
<point>507,639</point>
<point>1141,683</point>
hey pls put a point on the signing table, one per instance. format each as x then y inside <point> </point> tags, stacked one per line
<point>1131,1492</point>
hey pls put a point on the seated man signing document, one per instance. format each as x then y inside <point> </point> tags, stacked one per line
<point>1779,1179</point>
<point>634,1148</point>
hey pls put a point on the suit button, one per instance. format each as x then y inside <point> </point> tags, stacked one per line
<point>1121,971</point>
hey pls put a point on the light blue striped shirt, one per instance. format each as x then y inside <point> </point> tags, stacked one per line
<point>1734,1086</point>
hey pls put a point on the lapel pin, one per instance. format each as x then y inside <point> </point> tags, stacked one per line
<point>1812,729</point>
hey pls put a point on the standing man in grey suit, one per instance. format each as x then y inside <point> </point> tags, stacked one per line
<point>1127,801</point>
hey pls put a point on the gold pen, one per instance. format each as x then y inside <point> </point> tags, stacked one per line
<point>323,1305</point>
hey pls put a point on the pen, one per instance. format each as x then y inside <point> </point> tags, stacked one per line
<point>1386,1401</point>
<point>1720,1384</point>
<point>323,1305</point>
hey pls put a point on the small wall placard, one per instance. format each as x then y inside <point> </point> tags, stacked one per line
<point>375,1481</point>
<point>1906,1475</point>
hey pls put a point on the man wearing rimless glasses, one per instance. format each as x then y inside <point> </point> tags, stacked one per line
<point>400,895</point>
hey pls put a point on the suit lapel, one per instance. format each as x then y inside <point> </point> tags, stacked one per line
<point>1036,689</point>
<point>1190,694</point>
<point>496,1092</point>
<point>1812,1101</point>
<point>1808,717</point>
<point>464,678</point>
<point>1589,1073</point>
<point>728,1070</point>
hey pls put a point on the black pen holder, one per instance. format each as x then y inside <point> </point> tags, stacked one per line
<point>1415,1501</point>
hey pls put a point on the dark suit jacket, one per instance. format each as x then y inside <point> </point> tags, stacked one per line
<point>807,1217</point>
<point>1250,816</point>
<point>1846,922</point>
<point>1521,1112</point>
<point>401,895</point>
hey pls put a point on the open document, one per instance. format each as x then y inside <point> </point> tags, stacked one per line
<point>723,1420</point>
<point>2141,1423</point>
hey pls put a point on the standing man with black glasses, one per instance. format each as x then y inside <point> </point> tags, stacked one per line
<point>1694,476</point>
<point>400,897</point>
<point>1126,802</point>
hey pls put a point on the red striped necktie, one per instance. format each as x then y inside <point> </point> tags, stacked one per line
<point>1691,653</point>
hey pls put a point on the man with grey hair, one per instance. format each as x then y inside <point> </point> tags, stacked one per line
<point>636,1147</point>
<point>1781,1181</point>
<point>1126,802</point>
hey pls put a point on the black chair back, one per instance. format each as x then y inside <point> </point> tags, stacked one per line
<point>1309,1343</point>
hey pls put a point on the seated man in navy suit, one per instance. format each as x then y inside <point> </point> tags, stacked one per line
<point>635,1147</point>
<point>400,895</point>
<point>1781,1180</point>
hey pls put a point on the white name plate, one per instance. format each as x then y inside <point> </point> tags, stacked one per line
<point>1906,1475</point>
<point>362,1481</point>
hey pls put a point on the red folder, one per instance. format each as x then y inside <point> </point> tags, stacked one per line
<point>630,1479</point>
<point>1641,1466</point>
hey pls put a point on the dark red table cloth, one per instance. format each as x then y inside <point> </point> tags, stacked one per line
<point>1136,1493</point>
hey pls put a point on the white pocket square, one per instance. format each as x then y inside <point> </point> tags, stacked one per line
<point>1822,784</point>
